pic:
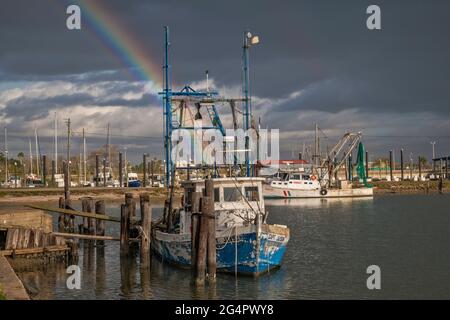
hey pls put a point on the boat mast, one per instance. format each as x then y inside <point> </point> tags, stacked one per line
<point>6,155</point>
<point>37,151</point>
<point>108,151</point>
<point>56,143</point>
<point>316,145</point>
<point>84,157</point>
<point>31,157</point>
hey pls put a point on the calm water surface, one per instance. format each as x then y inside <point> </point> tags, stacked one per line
<point>332,243</point>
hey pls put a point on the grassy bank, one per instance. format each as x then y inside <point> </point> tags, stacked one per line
<point>409,186</point>
<point>2,295</point>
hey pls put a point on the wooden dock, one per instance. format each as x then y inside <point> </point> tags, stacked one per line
<point>10,284</point>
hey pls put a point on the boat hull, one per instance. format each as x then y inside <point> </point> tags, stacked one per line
<point>270,192</point>
<point>250,255</point>
<point>134,184</point>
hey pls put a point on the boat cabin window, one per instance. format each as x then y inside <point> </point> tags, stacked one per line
<point>216,194</point>
<point>306,177</point>
<point>231,194</point>
<point>251,193</point>
<point>295,177</point>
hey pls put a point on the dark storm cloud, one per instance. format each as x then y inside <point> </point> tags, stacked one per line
<point>321,49</point>
<point>403,67</point>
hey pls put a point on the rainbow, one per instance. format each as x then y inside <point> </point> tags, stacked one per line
<point>121,43</point>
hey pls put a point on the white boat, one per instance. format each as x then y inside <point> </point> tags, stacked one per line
<point>304,185</point>
<point>132,180</point>
<point>110,181</point>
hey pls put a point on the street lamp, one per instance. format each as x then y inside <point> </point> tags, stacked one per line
<point>15,174</point>
<point>433,143</point>
<point>249,40</point>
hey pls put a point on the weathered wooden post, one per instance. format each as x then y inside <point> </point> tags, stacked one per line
<point>124,221</point>
<point>391,165</point>
<point>86,205</point>
<point>100,224</point>
<point>96,170</point>
<point>195,211</point>
<point>446,168</point>
<point>44,170</point>
<point>144,170</point>
<point>73,252</point>
<point>120,170</point>
<point>151,173</point>
<point>420,168</point>
<point>208,214</point>
<point>401,164</point>
<point>61,218</point>
<point>146,224</point>
<point>129,201</point>
<point>104,172</point>
<point>206,204</point>
<point>66,185</point>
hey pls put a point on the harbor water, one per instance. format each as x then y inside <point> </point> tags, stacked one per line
<point>333,241</point>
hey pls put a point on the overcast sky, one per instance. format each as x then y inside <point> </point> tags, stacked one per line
<point>317,62</point>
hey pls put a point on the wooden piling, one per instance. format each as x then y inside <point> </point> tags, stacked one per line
<point>120,170</point>
<point>206,205</point>
<point>144,170</point>
<point>146,224</point>
<point>86,205</point>
<point>73,252</point>
<point>129,201</point>
<point>67,202</point>
<point>391,165</point>
<point>420,168</point>
<point>209,216</point>
<point>61,218</point>
<point>100,224</point>
<point>195,211</point>
<point>124,217</point>
<point>401,164</point>
<point>104,172</point>
<point>96,170</point>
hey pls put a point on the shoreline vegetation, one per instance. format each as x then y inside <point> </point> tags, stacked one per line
<point>29,195</point>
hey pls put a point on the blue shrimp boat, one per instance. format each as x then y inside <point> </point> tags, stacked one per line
<point>133,181</point>
<point>245,243</point>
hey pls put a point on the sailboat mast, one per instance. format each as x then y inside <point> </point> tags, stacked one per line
<point>37,151</point>
<point>31,157</point>
<point>84,157</point>
<point>56,143</point>
<point>109,152</point>
<point>6,155</point>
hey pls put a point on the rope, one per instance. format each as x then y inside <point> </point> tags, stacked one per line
<point>228,239</point>
<point>142,233</point>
